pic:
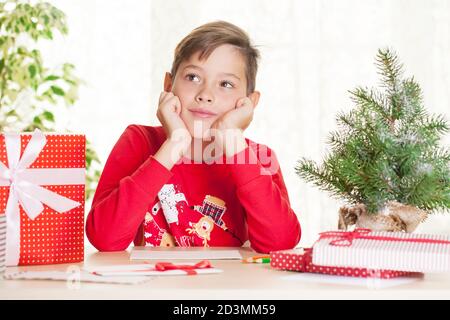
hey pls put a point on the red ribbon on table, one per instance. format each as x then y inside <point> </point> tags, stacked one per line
<point>189,269</point>
<point>345,238</point>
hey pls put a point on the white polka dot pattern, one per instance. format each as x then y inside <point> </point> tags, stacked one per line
<point>52,237</point>
<point>2,242</point>
<point>301,260</point>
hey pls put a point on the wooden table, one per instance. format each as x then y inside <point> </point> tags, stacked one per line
<point>238,281</point>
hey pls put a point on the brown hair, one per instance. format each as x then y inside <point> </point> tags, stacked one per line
<point>211,35</point>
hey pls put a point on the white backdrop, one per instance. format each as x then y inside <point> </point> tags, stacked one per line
<point>313,52</point>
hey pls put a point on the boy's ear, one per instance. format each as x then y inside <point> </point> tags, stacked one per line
<point>254,96</point>
<point>168,82</point>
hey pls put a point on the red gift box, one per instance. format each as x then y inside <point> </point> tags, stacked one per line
<point>42,183</point>
<point>301,260</point>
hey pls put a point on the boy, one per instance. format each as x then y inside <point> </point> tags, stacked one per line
<point>196,181</point>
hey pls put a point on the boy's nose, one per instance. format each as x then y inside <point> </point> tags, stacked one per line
<point>202,98</point>
<point>205,96</point>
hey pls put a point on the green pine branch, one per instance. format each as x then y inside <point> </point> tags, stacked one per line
<point>386,148</point>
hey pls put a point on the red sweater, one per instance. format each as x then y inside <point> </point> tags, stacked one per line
<point>220,204</point>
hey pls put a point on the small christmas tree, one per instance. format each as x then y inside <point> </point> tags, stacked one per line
<point>386,149</point>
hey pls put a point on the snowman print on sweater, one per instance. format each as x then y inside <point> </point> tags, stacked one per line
<point>169,198</point>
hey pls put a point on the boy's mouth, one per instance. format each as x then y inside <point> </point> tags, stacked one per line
<point>202,113</point>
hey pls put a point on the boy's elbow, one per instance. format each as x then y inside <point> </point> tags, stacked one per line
<point>290,239</point>
<point>286,242</point>
<point>289,242</point>
<point>103,241</point>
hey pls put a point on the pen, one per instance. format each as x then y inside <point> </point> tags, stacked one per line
<point>257,259</point>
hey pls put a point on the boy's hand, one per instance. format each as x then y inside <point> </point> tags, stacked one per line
<point>238,118</point>
<point>228,129</point>
<point>178,137</point>
<point>168,113</point>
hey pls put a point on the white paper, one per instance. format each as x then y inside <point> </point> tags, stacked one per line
<point>144,270</point>
<point>370,283</point>
<point>82,276</point>
<point>184,253</point>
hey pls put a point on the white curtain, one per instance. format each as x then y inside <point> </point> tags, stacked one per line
<point>313,52</point>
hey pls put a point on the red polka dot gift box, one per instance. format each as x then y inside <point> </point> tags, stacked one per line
<point>42,184</point>
<point>301,260</point>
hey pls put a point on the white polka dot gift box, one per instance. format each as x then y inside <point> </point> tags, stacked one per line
<point>301,260</point>
<point>398,251</point>
<point>42,182</point>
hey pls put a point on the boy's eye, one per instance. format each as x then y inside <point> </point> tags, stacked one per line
<point>191,76</point>
<point>230,85</point>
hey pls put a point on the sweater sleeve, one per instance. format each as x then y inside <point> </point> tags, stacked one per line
<point>130,180</point>
<point>272,224</point>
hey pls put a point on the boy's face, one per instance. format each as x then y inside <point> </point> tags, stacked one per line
<point>209,88</point>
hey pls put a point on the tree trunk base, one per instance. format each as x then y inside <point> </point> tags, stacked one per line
<point>394,217</point>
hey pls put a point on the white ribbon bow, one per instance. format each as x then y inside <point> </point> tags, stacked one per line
<point>25,187</point>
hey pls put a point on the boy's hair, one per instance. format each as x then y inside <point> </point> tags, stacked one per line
<point>211,35</point>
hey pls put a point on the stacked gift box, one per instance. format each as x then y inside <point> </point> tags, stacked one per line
<point>42,183</point>
<point>301,260</point>
<point>365,253</point>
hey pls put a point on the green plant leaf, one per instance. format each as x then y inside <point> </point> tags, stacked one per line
<point>32,69</point>
<point>51,78</point>
<point>57,90</point>
<point>37,121</point>
<point>48,116</point>
<point>22,67</point>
